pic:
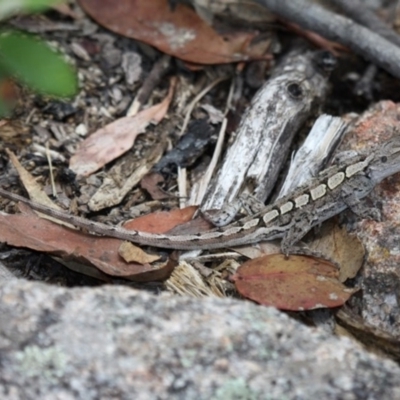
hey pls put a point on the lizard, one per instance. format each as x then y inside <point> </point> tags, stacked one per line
<point>335,189</point>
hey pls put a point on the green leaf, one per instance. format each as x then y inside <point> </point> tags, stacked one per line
<point>35,64</point>
<point>10,7</point>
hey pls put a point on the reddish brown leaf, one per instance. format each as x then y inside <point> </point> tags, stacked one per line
<point>162,221</point>
<point>297,283</point>
<point>116,138</point>
<point>42,235</point>
<point>181,33</point>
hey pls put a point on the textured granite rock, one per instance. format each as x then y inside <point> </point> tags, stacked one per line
<point>378,302</point>
<point>118,343</point>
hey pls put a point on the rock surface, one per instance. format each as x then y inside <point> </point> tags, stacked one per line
<point>117,343</point>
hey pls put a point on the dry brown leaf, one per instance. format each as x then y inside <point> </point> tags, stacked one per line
<point>338,245</point>
<point>295,283</point>
<point>35,233</point>
<point>35,191</point>
<point>161,221</point>
<point>131,253</point>
<point>259,250</point>
<point>180,33</point>
<point>116,138</point>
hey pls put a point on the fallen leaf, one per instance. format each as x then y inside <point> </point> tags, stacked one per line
<point>131,253</point>
<point>180,33</point>
<point>259,249</point>
<point>336,244</point>
<point>30,231</point>
<point>35,191</point>
<point>297,283</point>
<point>161,221</point>
<point>116,138</point>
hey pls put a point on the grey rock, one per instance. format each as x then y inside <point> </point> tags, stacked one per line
<point>117,343</point>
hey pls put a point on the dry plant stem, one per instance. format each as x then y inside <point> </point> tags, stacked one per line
<point>263,139</point>
<point>230,97</point>
<point>182,187</point>
<point>361,40</point>
<point>364,86</point>
<point>199,189</point>
<point>160,68</point>
<point>55,155</point>
<point>48,156</point>
<point>193,103</point>
<point>360,12</point>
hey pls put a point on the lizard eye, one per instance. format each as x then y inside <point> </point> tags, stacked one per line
<point>383,159</point>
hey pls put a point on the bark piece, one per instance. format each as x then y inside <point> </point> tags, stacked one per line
<point>264,136</point>
<point>315,152</point>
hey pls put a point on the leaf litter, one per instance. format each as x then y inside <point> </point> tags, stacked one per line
<point>296,283</point>
<point>33,225</point>
<point>180,32</point>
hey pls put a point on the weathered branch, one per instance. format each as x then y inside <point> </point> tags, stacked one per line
<point>335,27</point>
<point>264,137</point>
<point>358,11</point>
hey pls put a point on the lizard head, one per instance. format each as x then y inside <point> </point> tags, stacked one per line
<point>385,160</point>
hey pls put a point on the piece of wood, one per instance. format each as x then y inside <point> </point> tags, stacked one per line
<point>254,160</point>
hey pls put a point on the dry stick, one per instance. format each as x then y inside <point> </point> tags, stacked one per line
<point>358,11</point>
<point>365,16</point>
<point>197,98</point>
<point>48,156</point>
<point>160,68</point>
<point>363,41</point>
<point>200,188</point>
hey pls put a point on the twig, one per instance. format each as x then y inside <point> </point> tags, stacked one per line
<point>358,11</point>
<point>363,41</point>
<point>48,156</point>
<point>199,191</point>
<point>160,68</point>
<point>182,186</point>
<point>193,103</point>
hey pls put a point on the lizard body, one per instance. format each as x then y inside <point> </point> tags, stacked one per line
<point>290,218</point>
